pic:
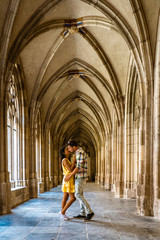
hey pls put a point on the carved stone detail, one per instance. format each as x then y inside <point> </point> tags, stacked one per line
<point>137,103</point>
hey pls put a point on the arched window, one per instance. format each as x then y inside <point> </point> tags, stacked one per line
<point>15,139</point>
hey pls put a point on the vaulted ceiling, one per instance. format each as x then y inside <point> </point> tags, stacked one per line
<point>75,57</point>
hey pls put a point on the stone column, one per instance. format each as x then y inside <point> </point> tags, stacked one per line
<point>114,154</point>
<point>102,165</point>
<point>119,187</point>
<point>33,183</point>
<point>148,159</point>
<point>96,158</point>
<point>99,166</point>
<point>52,166</point>
<point>5,186</point>
<point>156,153</point>
<point>108,164</point>
<point>131,156</point>
<point>41,161</point>
<point>26,148</point>
<point>135,159</point>
<point>145,150</point>
<point>46,161</point>
<point>93,165</point>
<point>55,164</point>
<point>127,154</point>
<point>89,168</point>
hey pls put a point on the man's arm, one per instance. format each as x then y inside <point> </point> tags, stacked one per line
<point>66,179</point>
<point>73,163</point>
<point>78,168</point>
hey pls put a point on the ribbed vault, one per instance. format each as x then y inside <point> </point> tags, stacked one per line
<point>79,79</point>
<point>86,68</point>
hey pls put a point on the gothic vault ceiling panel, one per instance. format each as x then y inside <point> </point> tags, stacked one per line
<point>77,118</point>
<point>95,51</point>
<point>151,9</point>
<point>51,93</point>
<point>25,10</point>
<point>116,50</point>
<point>75,85</point>
<point>78,105</point>
<point>3,8</point>
<point>124,8</point>
<point>33,55</point>
<point>71,114</point>
<point>74,47</point>
<point>71,9</point>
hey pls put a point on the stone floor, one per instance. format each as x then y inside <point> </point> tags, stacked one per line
<point>114,219</point>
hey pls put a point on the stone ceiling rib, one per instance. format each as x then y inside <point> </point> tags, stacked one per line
<point>55,46</point>
<point>33,21</point>
<point>81,63</point>
<point>100,5</point>
<point>78,126</point>
<point>61,72</point>
<point>92,41</point>
<point>143,33</point>
<point>92,86</point>
<point>50,55</point>
<point>65,124</point>
<point>67,24</point>
<point>45,64</point>
<point>110,12</point>
<point>115,21</point>
<point>65,104</point>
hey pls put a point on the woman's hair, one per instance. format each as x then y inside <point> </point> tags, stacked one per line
<point>72,143</point>
<point>62,155</point>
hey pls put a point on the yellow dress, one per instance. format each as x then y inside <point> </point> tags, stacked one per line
<point>69,186</point>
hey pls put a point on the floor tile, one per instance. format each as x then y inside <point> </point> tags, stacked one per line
<point>114,218</point>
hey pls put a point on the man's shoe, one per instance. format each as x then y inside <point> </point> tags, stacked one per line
<point>89,216</point>
<point>79,216</point>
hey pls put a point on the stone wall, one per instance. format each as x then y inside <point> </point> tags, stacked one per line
<point>19,196</point>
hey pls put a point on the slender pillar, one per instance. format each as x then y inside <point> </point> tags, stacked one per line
<point>156,153</point>
<point>120,162</point>
<point>33,183</point>
<point>108,164</point>
<point>102,165</point>
<point>114,154</point>
<point>5,186</point>
<point>55,164</point>
<point>99,165</point>
<point>96,173</point>
<point>46,161</point>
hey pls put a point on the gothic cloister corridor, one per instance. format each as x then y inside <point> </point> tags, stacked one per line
<point>114,219</point>
<point>87,70</point>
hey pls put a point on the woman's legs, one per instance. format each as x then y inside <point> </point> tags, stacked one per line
<point>68,204</point>
<point>64,200</point>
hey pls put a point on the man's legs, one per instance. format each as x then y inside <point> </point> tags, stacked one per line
<point>84,206</point>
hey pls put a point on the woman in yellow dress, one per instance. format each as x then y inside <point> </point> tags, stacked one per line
<point>68,188</point>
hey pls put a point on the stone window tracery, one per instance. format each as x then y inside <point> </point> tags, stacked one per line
<point>137,103</point>
<point>15,163</point>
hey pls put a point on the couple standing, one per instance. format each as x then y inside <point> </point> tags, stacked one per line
<point>77,168</point>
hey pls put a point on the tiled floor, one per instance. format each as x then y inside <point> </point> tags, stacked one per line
<point>114,219</point>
